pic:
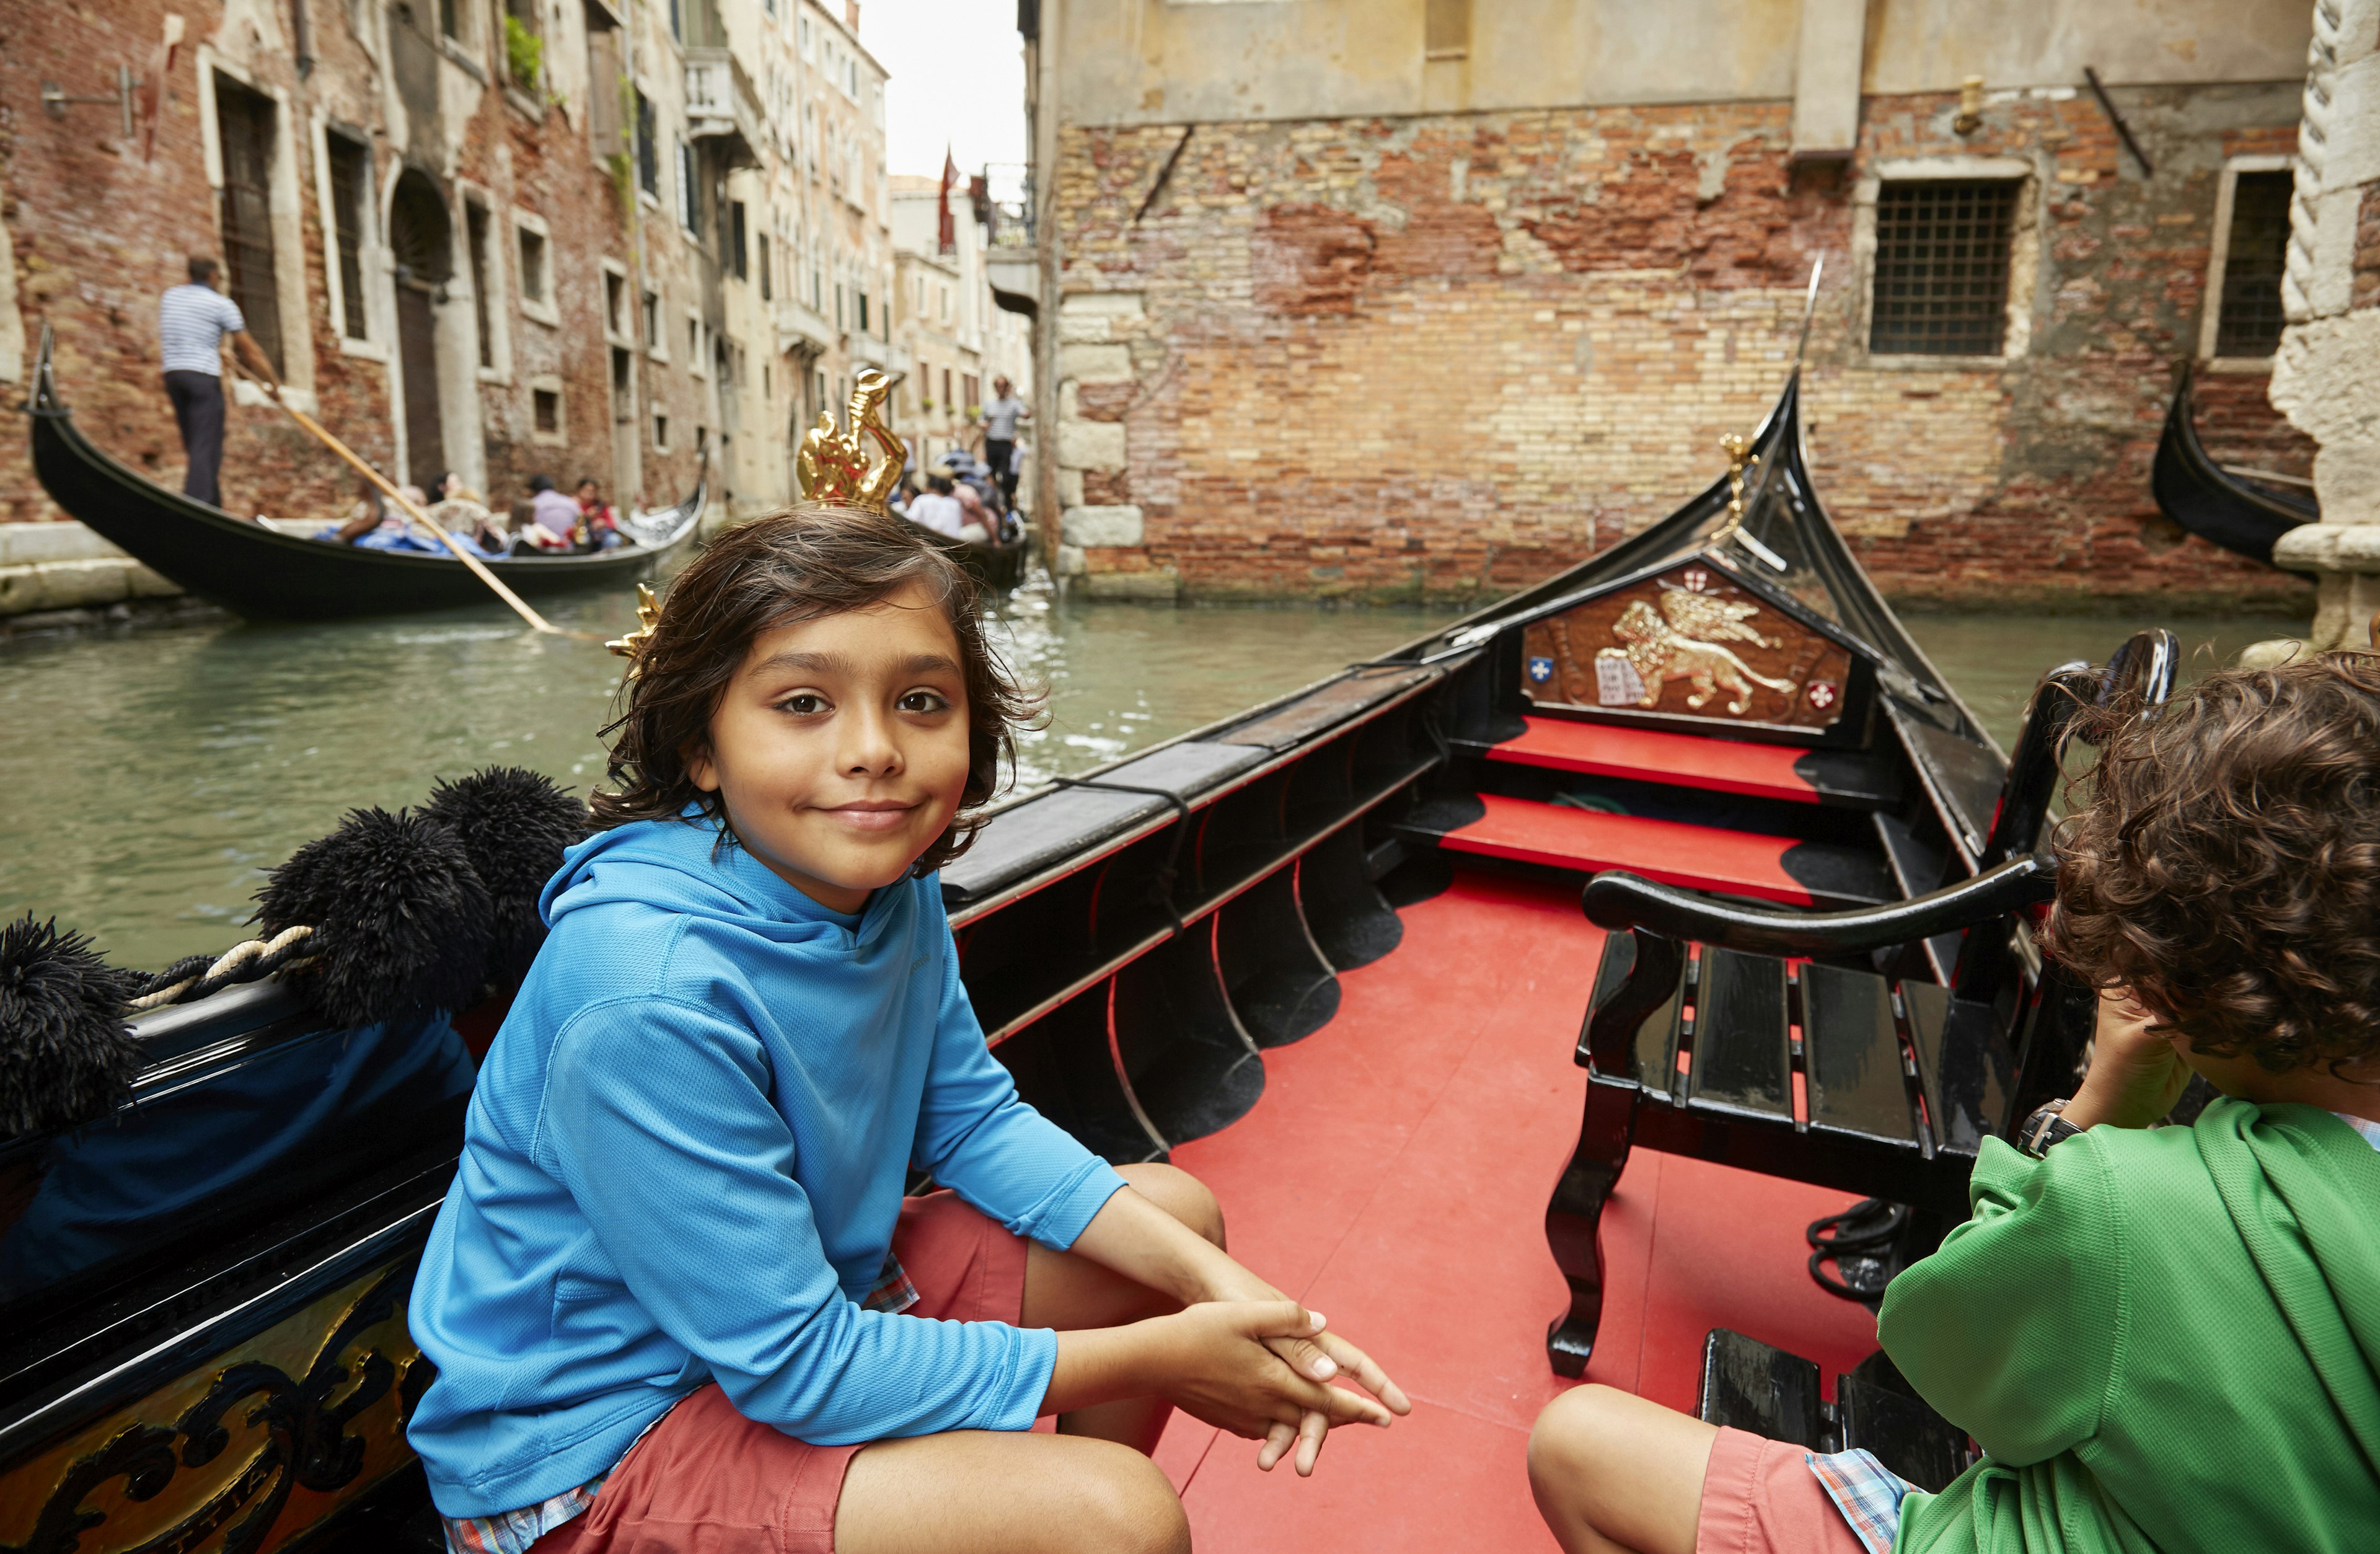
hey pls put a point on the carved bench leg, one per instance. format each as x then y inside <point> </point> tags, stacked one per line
<point>1574,1218</point>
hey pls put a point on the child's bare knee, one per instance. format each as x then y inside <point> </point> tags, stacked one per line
<point>1181,1195</point>
<point>1565,1443</point>
<point>1129,1507</point>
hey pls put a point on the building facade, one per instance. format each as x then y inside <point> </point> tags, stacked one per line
<point>953,336</point>
<point>496,237</point>
<point>1416,297</point>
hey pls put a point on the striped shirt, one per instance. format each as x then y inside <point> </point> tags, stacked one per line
<point>191,323</point>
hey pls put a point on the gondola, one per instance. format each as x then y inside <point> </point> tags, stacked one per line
<point>258,572</point>
<point>2238,512</point>
<point>1328,952</point>
<point>1000,566</point>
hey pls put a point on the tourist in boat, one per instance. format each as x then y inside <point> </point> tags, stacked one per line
<point>676,1297</point>
<point>601,522</point>
<point>936,508</point>
<point>193,321</point>
<point>548,521</point>
<point>2162,1338</point>
<point>462,512</point>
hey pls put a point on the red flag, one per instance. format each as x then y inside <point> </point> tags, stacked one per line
<point>948,233</point>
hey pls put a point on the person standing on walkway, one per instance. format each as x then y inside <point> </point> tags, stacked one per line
<point>1000,418</point>
<point>191,324</point>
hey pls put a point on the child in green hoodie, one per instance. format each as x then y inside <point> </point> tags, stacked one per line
<point>2165,1339</point>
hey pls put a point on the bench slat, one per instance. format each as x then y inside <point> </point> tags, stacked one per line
<point>1744,1058</point>
<point>1732,766</point>
<point>1851,1054</point>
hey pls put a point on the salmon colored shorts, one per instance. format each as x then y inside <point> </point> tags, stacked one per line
<point>706,1480</point>
<point>1759,1497</point>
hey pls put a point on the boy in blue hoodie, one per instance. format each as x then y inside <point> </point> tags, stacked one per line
<point>676,1297</point>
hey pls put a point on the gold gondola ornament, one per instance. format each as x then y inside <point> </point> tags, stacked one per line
<point>834,466</point>
<point>649,616</point>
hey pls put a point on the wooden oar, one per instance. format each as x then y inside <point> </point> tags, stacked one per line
<point>478,567</point>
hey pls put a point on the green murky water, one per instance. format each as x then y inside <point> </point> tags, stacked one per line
<point>147,782</point>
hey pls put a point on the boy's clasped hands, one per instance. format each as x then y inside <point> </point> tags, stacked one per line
<point>1239,1355</point>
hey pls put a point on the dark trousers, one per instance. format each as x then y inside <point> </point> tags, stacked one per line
<point>198,410</point>
<point>996,454</point>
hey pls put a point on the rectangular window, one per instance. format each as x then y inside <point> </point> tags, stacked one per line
<point>532,264</point>
<point>1445,29</point>
<point>350,188</point>
<point>648,154</point>
<point>545,406</point>
<point>677,20</point>
<point>694,344</point>
<point>450,18</point>
<point>970,391</point>
<point>475,229</point>
<point>946,388</point>
<point>244,121</point>
<point>735,260</point>
<point>660,432</point>
<point>768,290</point>
<point>863,312</point>
<point>2250,324</point>
<point>653,319</point>
<point>1942,267</point>
<point>615,304</point>
<point>688,195</point>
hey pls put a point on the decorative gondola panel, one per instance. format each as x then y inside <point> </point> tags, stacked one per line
<point>1692,641</point>
<point>243,1453</point>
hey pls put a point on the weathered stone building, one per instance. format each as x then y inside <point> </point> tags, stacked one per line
<point>1420,297</point>
<point>496,236</point>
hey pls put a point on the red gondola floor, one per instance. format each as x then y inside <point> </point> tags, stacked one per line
<point>1394,1175</point>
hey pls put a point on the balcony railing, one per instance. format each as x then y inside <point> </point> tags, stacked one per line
<point>720,100</point>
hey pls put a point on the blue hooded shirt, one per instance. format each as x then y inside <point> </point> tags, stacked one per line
<point>684,1162</point>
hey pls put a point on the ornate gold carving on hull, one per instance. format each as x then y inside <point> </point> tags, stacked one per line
<point>244,1452</point>
<point>1692,642</point>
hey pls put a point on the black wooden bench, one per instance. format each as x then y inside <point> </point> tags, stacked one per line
<point>1820,1046</point>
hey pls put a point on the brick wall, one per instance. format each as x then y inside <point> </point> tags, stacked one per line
<point>1436,355</point>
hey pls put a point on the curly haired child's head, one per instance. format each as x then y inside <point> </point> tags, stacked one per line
<point>2226,869</point>
<point>804,568</point>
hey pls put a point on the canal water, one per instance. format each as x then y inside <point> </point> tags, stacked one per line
<point>150,780</point>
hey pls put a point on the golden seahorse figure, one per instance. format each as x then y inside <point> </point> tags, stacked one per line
<point>834,466</point>
<point>1677,647</point>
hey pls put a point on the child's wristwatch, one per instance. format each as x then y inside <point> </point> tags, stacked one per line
<point>2044,1128</point>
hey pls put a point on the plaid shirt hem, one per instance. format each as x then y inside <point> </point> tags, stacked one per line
<point>512,1532</point>
<point>1867,1493</point>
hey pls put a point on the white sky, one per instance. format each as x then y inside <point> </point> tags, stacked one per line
<point>957,70</point>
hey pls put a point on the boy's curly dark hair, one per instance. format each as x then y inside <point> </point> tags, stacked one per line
<point>2227,867</point>
<point>800,564</point>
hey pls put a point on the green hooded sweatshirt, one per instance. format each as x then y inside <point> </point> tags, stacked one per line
<point>2166,1341</point>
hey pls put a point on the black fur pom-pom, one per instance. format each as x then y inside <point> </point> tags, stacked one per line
<point>66,1054</point>
<point>514,824</point>
<point>399,914</point>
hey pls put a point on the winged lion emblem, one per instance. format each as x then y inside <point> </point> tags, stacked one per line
<point>1686,639</point>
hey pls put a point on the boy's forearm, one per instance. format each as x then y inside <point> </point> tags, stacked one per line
<point>1131,1235</point>
<point>1102,1364</point>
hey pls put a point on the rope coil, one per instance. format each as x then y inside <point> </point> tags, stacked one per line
<point>195,976</point>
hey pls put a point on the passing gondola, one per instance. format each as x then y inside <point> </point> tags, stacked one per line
<point>1329,954</point>
<point>256,571</point>
<point>997,564</point>
<point>2238,512</point>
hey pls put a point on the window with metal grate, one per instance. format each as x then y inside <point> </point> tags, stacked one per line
<point>1942,267</point>
<point>2250,324</point>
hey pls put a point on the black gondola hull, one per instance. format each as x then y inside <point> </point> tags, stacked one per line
<point>262,574</point>
<point>2242,515</point>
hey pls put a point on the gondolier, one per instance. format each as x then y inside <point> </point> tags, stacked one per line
<point>191,324</point>
<point>1000,420</point>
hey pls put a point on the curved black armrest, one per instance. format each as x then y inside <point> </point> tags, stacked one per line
<point>1615,900</point>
